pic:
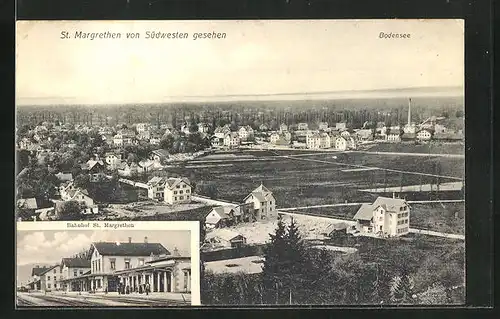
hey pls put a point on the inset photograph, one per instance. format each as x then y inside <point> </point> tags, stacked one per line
<point>99,266</point>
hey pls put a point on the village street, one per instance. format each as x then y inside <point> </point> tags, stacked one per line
<point>74,299</point>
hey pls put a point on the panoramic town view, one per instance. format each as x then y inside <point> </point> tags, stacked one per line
<point>349,194</point>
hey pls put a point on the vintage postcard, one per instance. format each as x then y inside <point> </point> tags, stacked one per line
<point>323,159</point>
<point>107,264</point>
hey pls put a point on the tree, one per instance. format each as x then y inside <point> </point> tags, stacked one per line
<point>167,143</point>
<point>23,159</point>
<point>274,254</point>
<point>82,181</point>
<point>70,210</point>
<point>401,289</point>
<point>193,127</point>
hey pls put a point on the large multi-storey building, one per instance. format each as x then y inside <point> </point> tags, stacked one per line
<point>386,217</point>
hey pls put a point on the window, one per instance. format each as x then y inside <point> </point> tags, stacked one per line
<point>187,197</point>
<point>380,228</point>
<point>183,186</point>
<point>55,271</point>
<point>181,198</point>
<point>177,186</point>
<point>60,277</point>
<point>180,192</point>
<point>112,264</point>
<point>141,261</point>
<point>48,277</point>
<point>81,272</point>
<point>48,286</point>
<point>75,274</point>
<point>127,263</point>
<point>175,192</point>
<point>175,198</point>
<point>380,218</point>
<point>187,191</point>
<point>98,265</point>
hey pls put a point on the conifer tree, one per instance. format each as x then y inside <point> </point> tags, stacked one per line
<point>274,254</point>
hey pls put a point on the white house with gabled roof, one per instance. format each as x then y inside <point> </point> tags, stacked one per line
<point>177,190</point>
<point>263,201</point>
<point>386,217</point>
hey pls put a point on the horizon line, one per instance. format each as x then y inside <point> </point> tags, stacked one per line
<point>302,95</point>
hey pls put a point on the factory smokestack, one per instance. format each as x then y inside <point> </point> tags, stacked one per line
<point>409,112</point>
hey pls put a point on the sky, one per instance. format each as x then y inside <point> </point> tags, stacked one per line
<point>48,247</point>
<point>256,57</point>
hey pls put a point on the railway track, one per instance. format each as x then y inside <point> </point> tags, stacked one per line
<point>25,303</point>
<point>66,302</point>
<point>150,302</point>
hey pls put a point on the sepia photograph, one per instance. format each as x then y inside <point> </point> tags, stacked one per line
<point>323,159</point>
<point>79,264</point>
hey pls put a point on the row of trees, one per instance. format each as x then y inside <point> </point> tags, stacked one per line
<point>294,273</point>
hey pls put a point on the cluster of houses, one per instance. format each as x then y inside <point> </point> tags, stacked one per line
<point>259,205</point>
<point>384,218</point>
<point>224,137</point>
<point>123,267</point>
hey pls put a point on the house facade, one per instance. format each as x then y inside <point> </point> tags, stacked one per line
<point>71,269</point>
<point>386,217</point>
<point>393,137</point>
<point>245,132</point>
<point>264,203</point>
<point>156,188</point>
<point>177,190</point>
<point>424,135</point>
<point>126,268</point>
<point>341,143</point>
<point>224,238</point>
<point>49,279</point>
<point>163,272</point>
<point>232,140</point>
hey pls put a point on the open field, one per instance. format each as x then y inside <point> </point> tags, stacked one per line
<point>298,181</point>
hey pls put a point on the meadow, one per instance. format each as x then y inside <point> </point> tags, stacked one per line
<point>307,180</point>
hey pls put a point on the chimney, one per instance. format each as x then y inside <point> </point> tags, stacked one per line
<point>146,239</point>
<point>409,112</point>
<point>129,240</point>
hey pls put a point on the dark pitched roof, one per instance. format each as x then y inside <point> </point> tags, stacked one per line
<point>49,269</point>
<point>38,271</point>
<point>76,262</point>
<point>130,249</point>
<point>365,212</point>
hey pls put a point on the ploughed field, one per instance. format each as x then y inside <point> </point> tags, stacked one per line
<point>309,178</point>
